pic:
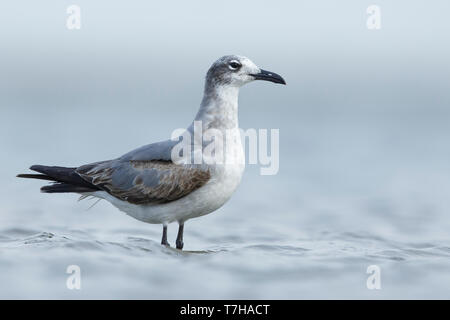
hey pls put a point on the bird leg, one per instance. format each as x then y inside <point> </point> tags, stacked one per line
<point>164,237</point>
<point>180,237</point>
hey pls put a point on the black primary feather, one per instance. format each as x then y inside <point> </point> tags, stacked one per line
<point>65,179</point>
<point>64,188</point>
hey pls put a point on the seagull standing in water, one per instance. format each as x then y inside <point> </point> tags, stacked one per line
<point>148,184</point>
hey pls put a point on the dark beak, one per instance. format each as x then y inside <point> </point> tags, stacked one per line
<point>269,76</point>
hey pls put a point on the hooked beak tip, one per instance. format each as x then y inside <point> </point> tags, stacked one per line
<point>269,76</point>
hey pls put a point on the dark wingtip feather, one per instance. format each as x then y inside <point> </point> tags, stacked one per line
<point>67,178</point>
<point>35,176</point>
<point>64,188</point>
<point>37,167</point>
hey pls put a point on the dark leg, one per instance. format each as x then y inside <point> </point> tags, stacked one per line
<point>164,237</point>
<point>180,236</point>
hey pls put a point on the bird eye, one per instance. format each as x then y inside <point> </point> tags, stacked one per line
<point>234,65</point>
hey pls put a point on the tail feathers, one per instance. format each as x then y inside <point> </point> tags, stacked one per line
<point>65,179</point>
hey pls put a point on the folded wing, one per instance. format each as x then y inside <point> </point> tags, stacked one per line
<point>144,181</point>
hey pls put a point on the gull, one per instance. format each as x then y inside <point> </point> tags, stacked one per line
<point>148,184</point>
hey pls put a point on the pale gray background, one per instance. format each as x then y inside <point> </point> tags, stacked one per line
<point>364,133</point>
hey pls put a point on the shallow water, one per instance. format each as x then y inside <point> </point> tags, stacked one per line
<point>318,266</point>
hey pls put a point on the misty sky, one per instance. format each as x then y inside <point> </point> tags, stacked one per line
<point>139,53</point>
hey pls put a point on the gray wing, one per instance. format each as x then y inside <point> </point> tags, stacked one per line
<point>145,175</point>
<point>155,151</point>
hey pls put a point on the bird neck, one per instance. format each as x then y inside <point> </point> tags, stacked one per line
<point>219,112</point>
<point>219,107</point>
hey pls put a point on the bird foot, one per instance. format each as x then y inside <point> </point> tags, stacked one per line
<point>167,244</point>
<point>180,245</point>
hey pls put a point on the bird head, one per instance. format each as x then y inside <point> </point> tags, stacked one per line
<point>238,70</point>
